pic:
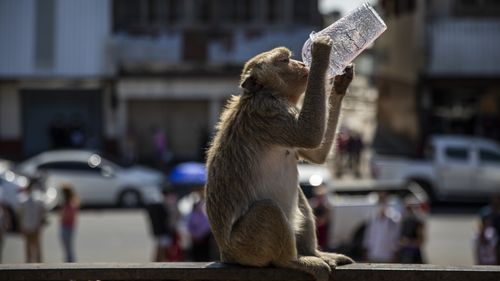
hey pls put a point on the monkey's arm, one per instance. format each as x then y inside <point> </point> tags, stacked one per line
<point>319,155</point>
<point>307,129</point>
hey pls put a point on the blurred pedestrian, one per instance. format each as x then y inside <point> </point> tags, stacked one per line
<point>380,241</point>
<point>174,251</point>
<point>491,212</point>
<point>199,229</point>
<point>129,149</point>
<point>58,132</point>
<point>68,220</point>
<point>341,152</point>
<point>412,236</point>
<point>32,218</point>
<point>485,243</point>
<point>77,132</point>
<point>4,223</point>
<point>354,149</point>
<point>163,155</point>
<point>321,210</point>
<point>158,215</point>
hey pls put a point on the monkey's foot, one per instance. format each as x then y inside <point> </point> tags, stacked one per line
<point>315,266</point>
<point>334,260</point>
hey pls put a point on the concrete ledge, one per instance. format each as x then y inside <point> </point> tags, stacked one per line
<point>218,271</point>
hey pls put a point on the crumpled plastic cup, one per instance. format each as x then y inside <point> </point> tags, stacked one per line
<point>351,35</point>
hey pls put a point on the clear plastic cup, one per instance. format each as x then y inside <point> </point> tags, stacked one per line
<point>351,35</point>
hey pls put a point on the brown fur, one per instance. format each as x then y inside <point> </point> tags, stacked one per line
<point>258,214</point>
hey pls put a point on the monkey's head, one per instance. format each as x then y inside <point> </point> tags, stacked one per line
<point>275,71</point>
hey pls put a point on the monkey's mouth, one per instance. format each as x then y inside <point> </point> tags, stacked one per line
<point>306,73</point>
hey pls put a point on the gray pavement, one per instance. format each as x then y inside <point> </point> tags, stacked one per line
<point>123,236</point>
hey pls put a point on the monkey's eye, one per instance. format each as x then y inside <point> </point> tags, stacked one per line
<point>285,60</point>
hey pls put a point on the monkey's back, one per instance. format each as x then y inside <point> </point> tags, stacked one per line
<point>230,162</point>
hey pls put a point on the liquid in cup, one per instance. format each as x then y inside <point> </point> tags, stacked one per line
<point>350,35</point>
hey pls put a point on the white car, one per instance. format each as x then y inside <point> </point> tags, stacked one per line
<point>312,175</point>
<point>351,208</point>
<point>97,180</point>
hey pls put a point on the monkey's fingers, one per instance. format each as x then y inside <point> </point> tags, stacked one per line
<point>321,49</point>
<point>342,82</point>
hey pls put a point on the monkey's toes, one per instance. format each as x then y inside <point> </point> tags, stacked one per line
<point>343,260</point>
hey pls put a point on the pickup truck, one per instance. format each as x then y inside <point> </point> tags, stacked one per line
<point>460,168</point>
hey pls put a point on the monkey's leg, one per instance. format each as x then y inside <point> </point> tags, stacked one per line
<point>263,236</point>
<point>307,241</point>
<point>260,235</point>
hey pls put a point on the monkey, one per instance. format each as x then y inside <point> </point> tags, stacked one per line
<point>257,211</point>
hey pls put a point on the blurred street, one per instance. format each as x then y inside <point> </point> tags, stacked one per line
<point>112,235</point>
<point>107,106</point>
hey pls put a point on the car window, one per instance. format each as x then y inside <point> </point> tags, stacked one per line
<point>69,166</point>
<point>489,156</point>
<point>457,153</point>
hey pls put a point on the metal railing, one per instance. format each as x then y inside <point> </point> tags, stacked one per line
<point>218,271</point>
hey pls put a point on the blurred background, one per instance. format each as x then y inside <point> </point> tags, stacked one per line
<point>116,101</point>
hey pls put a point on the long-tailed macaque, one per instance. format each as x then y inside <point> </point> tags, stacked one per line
<point>257,211</point>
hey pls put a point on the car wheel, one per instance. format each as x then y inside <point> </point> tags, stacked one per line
<point>130,199</point>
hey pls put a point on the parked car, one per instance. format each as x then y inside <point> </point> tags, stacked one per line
<point>312,175</point>
<point>351,208</point>
<point>457,168</point>
<point>96,179</point>
<point>350,213</point>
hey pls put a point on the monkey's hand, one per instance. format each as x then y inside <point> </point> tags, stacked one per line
<point>342,82</point>
<point>334,260</point>
<point>321,48</point>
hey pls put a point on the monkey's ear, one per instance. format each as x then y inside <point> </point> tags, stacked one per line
<point>250,84</point>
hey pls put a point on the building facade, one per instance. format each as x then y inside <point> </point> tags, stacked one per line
<point>53,69</point>
<point>122,70</point>
<point>437,72</point>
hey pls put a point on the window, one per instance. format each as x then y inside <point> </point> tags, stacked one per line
<point>145,16</point>
<point>457,153</point>
<point>273,11</point>
<point>203,11</point>
<point>489,156</point>
<point>301,11</point>
<point>473,8</point>
<point>398,7</point>
<point>69,166</point>
<point>247,11</point>
<point>230,12</point>
<point>44,35</point>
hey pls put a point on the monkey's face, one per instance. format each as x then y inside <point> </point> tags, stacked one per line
<point>293,74</point>
<point>277,72</point>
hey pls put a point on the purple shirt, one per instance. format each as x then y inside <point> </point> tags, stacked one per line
<point>198,224</point>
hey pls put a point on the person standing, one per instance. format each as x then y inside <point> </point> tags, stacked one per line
<point>485,243</point>
<point>4,223</point>
<point>68,218</point>
<point>412,236</point>
<point>491,215</point>
<point>32,217</point>
<point>381,237</point>
<point>321,210</point>
<point>161,216</point>
<point>201,234</point>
